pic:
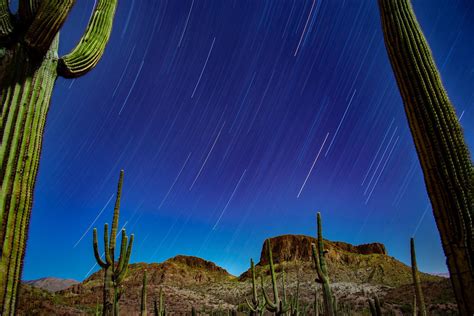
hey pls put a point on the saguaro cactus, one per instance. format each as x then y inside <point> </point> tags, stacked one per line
<point>277,306</point>
<point>29,66</point>
<point>416,280</point>
<point>439,141</point>
<point>143,310</point>
<point>256,306</point>
<point>114,273</point>
<point>321,269</point>
<point>160,305</point>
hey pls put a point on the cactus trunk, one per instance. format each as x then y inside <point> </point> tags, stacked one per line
<point>109,300</point>
<point>29,66</point>
<point>438,137</point>
<point>26,87</point>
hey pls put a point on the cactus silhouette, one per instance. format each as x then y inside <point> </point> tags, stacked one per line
<point>256,306</point>
<point>321,269</point>
<point>114,273</point>
<point>416,280</point>
<point>143,310</point>
<point>439,141</point>
<point>277,306</point>
<point>29,66</point>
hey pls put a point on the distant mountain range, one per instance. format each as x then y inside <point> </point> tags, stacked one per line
<point>52,284</point>
<point>357,273</point>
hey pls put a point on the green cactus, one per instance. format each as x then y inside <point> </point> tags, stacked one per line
<point>143,310</point>
<point>321,269</point>
<point>443,153</point>
<point>257,306</point>
<point>295,301</point>
<point>114,273</point>
<point>375,307</point>
<point>277,306</point>
<point>193,311</point>
<point>416,280</point>
<point>29,66</point>
<point>159,305</point>
<point>316,303</point>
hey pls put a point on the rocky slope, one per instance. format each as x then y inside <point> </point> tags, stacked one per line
<point>357,273</point>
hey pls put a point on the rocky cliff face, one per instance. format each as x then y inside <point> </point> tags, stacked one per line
<point>288,248</point>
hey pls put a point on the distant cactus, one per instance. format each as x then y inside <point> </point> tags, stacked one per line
<point>375,308</point>
<point>193,311</point>
<point>29,66</point>
<point>295,309</point>
<point>316,304</point>
<point>143,310</point>
<point>443,153</point>
<point>276,306</point>
<point>321,269</point>
<point>114,273</point>
<point>159,306</point>
<point>256,306</point>
<point>416,280</point>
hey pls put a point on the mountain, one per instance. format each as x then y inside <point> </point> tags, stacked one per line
<point>356,272</point>
<point>52,284</point>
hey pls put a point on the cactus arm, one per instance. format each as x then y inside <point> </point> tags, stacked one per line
<point>108,258</point>
<point>48,20</point>
<point>268,302</point>
<point>378,308</point>
<point>113,233</point>
<point>443,153</point>
<point>416,280</point>
<point>95,243</point>
<point>254,286</point>
<point>123,249</point>
<point>250,305</point>
<point>6,21</point>
<point>91,46</point>
<point>373,312</point>
<point>124,268</point>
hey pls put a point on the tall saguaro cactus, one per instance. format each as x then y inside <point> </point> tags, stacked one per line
<point>29,66</point>
<point>114,272</point>
<point>439,141</point>
<point>321,269</point>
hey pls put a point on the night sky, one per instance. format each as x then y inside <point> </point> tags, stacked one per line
<point>236,121</point>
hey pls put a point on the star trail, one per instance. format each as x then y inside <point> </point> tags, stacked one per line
<point>236,121</point>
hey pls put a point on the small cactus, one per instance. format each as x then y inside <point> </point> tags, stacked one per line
<point>416,280</point>
<point>256,306</point>
<point>160,305</point>
<point>321,269</point>
<point>276,306</point>
<point>113,273</point>
<point>143,310</point>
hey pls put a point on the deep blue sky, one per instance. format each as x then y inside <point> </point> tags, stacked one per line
<point>217,111</point>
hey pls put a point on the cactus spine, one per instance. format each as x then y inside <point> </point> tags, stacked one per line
<point>439,141</point>
<point>321,269</point>
<point>257,307</point>
<point>114,273</point>
<point>277,306</point>
<point>160,305</point>
<point>416,280</point>
<point>143,311</point>
<point>29,66</point>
